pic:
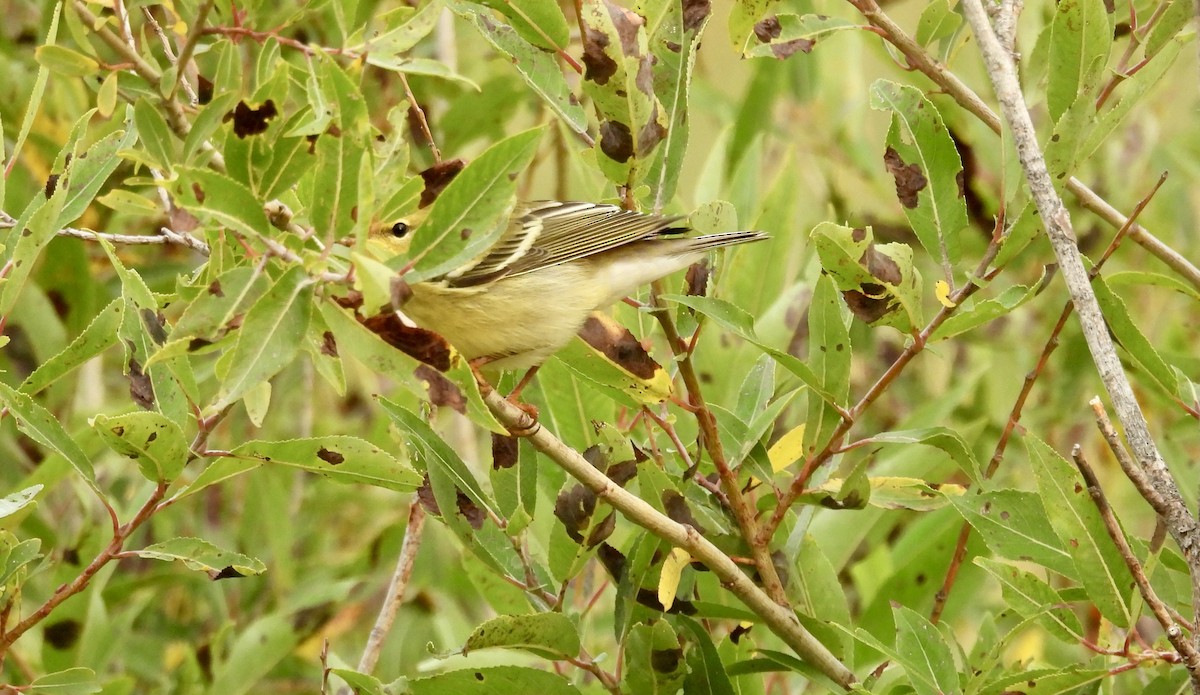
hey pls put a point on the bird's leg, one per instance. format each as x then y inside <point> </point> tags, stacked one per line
<point>513,396</point>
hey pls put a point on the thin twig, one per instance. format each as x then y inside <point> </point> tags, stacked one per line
<point>1188,651</point>
<point>743,510</point>
<point>780,620</point>
<point>395,593</point>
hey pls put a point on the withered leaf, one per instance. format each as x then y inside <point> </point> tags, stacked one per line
<point>909,179</point>
<point>437,177</point>
<point>616,142</point>
<point>418,343</point>
<point>248,120</point>
<point>618,345</point>
<point>442,391</point>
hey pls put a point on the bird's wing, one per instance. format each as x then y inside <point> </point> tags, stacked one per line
<point>548,233</point>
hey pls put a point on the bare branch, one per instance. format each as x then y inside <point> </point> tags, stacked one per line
<point>395,593</point>
<point>780,620</point>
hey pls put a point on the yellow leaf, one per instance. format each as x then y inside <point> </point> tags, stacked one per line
<point>787,450</point>
<point>942,290</point>
<point>668,578</point>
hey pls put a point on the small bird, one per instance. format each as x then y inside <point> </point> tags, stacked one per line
<point>557,262</point>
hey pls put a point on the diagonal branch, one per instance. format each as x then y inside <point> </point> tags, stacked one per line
<point>778,619</point>
<point>998,61</point>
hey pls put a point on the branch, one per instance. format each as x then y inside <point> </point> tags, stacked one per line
<point>395,593</point>
<point>780,620</point>
<point>919,59</point>
<point>1187,650</point>
<point>1180,523</point>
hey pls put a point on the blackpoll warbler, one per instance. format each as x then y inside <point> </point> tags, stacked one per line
<point>527,296</point>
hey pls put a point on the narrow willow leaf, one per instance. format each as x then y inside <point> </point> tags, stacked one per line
<point>17,501</point>
<point>653,658</point>
<point>402,29</point>
<point>669,576</point>
<point>550,635</point>
<point>73,681</point>
<point>614,380</point>
<point>926,167</point>
<point>90,168</point>
<point>1129,336</point>
<point>471,213</point>
<point>1130,93</point>
<point>937,21</point>
<point>198,554</point>
<point>1173,20</point>
<point>673,37</point>
<point>35,98</point>
<point>65,61</point>
<point>743,17</point>
<point>1075,519</point>
<point>1031,597</point>
<point>706,672</point>
<point>785,35</point>
<point>1080,39</point>
<point>155,135</point>
<point>1060,681</point>
<point>944,438</point>
<point>924,654</point>
<point>492,680</point>
<point>540,22</point>
<point>156,443</point>
<point>42,427</point>
<point>340,458</point>
<point>970,317</point>
<point>99,335</point>
<point>829,357</point>
<point>270,335</point>
<point>218,200</point>
<point>1014,525</point>
<point>437,453</point>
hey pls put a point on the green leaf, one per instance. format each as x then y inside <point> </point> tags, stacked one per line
<point>970,317</point>
<point>219,200</point>
<point>90,168</point>
<point>65,61</point>
<point>421,66</point>
<point>706,672</point>
<point>198,554</point>
<point>256,650</point>
<point>1014,525</point>
<point>925,165</point>
<point>18,500</point>
<point>550,635</point>
<point>340,458</point>
<point>492,680</point>
<point>402,29</point>
<point>1173,20</point>
<point>1131,92</point>
<point>1078,524</point>
<point>472,212</point>
<point>1031,597</point>
<point>1130,337</point>
<point>829,353</point>
<point>15,558</point>
<point>99,335</point>
<point>536,67</point>
<point>1061,681</point>
<point>924,654</point>
<point>155,135</point>
<point>437,453</point>
<point>790,33</point>
<point>1080,39</point>
<point>540,22</point>
<point>35,102</point>
<point>944,438</point>
<point>653,659</point>
<point>156,443</point>
<point>938,20</point>
<point>42,427</point>
<point>742,18</point>
<point>270,335</point>
<point>73,681</point>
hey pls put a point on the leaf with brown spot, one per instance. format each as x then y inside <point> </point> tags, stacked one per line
<point>330,456</point>
<point>441,391</point>
<point>248,120</point>
<point>618,345</point>
<point>616,142</point>
<point>599,66</point>
<point>909,179</point>
<point>504,451</point>
<point>141,388</point>
<point>418,343</point>
<point>437,177</point>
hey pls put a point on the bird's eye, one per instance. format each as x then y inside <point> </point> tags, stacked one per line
<point>400,230</point>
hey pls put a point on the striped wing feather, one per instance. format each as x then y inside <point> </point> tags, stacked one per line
<point>548,233</point>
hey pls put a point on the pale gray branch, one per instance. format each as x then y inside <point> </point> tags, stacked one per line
<point>998,61</point>
<point>780,620</point>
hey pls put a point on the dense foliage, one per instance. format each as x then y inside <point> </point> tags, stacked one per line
<point>870,414</point>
